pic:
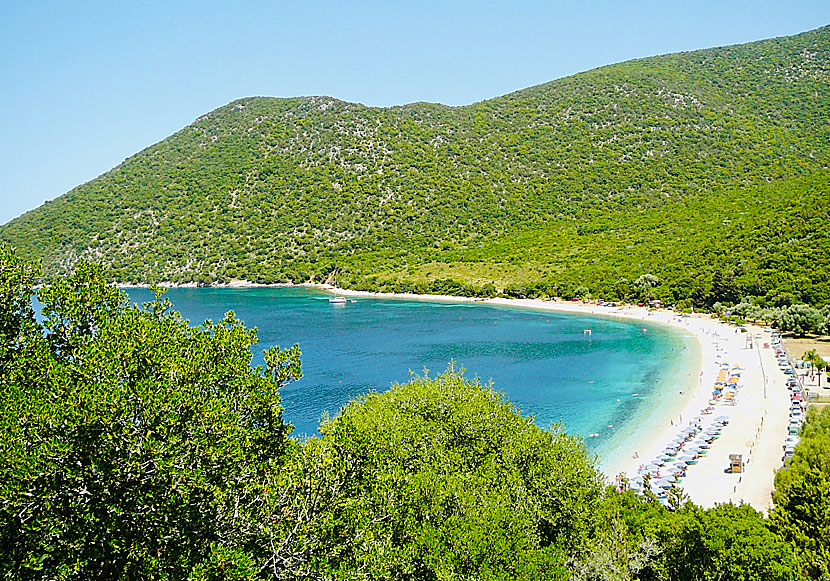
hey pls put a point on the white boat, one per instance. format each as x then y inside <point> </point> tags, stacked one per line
<point>337,300</point>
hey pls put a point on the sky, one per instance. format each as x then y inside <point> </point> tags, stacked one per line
<point>84,85</point>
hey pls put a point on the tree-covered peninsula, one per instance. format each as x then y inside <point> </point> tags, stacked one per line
<point>707,170</point>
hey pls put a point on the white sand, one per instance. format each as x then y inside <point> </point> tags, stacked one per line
<point>757,423</point>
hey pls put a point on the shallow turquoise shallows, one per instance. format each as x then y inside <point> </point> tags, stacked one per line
<point>595,384</point>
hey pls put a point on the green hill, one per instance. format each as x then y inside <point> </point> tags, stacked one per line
<point>708,169</point>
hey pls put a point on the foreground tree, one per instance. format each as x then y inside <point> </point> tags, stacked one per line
<point>133,446</point>
<point>802,497</point>
<point>442,479</point>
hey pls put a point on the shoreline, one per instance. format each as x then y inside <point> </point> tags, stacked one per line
<point>757,422</point>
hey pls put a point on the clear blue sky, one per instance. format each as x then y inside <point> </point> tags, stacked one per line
<point>83,85</point>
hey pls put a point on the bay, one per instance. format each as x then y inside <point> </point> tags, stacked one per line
<point>596,385</point>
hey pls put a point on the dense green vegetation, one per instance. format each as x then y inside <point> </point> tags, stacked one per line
<point>707,170</point>
<point>137,447</point>
<point>802,497</point>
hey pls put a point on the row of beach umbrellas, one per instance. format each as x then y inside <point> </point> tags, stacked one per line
<point>692,442</point>
<point>683,451</point>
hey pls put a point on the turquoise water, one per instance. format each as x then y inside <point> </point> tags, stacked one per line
<point>544,362</point>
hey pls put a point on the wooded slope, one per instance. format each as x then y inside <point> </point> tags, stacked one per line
<point>681,165</point>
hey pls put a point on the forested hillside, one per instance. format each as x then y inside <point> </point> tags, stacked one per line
<point>698,168</point>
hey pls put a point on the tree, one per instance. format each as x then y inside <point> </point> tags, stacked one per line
<point>802,497</point>
<point>725,542</point>
<point>440,478</point>
<point>801,319</point>
<point>133,445</point>
<point>724,289</point>
<point>644,286</point>
<point>817,363</point>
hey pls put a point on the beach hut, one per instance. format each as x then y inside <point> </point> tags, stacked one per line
<point>736,463</point>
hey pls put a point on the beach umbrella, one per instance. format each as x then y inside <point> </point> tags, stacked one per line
<point>724,419</point>
<point>654,465</point>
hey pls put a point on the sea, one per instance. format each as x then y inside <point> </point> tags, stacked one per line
<point>598,377</point>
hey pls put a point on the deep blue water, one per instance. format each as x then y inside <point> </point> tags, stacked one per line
<point>544,362</point>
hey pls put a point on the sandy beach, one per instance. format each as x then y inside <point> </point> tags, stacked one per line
<point>756,413</point>
<point>756,417</point>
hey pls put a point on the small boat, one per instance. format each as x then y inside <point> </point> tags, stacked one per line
<point>337,300</point>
